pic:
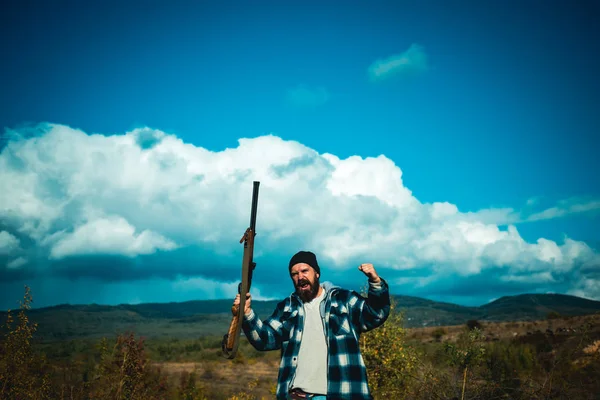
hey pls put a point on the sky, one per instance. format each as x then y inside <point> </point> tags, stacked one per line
<point>452,144</point>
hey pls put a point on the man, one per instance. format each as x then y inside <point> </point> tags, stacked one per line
<point>317,328</point>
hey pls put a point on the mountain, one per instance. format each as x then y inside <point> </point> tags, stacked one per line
<point>420,312</point>
<point>524,307</point>
<point>192,319</point>
<point>537,306</point>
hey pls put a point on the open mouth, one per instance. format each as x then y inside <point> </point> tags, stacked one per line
<point>303,285</point>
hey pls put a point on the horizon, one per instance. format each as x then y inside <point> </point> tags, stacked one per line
<point>224,299</point>
<point>454,147</point>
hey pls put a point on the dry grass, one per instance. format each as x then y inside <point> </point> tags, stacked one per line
<point>511,330</point>
<point>229,377</point>
<point>224,378</point>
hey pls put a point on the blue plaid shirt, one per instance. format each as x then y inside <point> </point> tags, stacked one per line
<point>345,315</point>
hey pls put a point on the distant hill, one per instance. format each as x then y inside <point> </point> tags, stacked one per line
<point>525,307</point>
<point>536,306</point>
<point>211,317</point>
<point>419,312</point>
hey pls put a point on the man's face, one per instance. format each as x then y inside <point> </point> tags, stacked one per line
<point>306,281</point>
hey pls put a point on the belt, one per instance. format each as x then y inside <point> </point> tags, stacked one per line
<point>297,393</point>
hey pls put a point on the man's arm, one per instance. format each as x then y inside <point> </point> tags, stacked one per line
<point>373,311</point>
<point>262,335</point>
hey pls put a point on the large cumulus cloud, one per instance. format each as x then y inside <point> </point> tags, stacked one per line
<point>146,205</point>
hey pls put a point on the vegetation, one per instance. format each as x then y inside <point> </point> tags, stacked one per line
<point>553,315</point>
<point>473,361</point>
<point>439,333</point>
<point>22,373</point>
<point>390,361</point>
<point>473,324</point>
<point>190,319</point>
<point>551,358</point>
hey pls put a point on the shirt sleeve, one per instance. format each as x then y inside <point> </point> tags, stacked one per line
<point>264,335</point>
<point>371,312</point>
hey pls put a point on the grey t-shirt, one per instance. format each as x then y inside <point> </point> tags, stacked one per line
<point>311,372</point>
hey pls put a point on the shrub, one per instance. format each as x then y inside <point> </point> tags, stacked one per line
<point>507,362</point>
<point>438,334</point>
<point>22,370</point>
<point>189,388</point>
<point>390,362</point>
<point>467,353</point>
<point>474,324</point>
<point>125,372</point>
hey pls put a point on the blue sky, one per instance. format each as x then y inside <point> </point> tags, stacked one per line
<point>490,107</point>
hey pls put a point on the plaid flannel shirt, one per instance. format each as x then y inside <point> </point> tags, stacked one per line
<point>345,315</point>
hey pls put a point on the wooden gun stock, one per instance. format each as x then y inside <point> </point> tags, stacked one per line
<point>231,339</point>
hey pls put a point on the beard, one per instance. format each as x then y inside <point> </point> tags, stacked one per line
<point>309,293</point>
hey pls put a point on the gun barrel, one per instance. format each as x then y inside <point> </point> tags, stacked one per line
<point>231,340</point>
<point>254,207</point>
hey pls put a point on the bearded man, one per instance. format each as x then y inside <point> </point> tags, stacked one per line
<point>317,329</point>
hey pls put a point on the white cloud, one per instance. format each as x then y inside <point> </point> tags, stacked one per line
<point>496,216</point>
<point>539,277</point>
<point>411,61</point>
<point>306,96</point>
<point>505,216</point>
<point>587,288</point>
<point>211,288</point>
<point>214,289</point>
<point>565,209</point>
<point>8,243</point>
<point>147,191</point>
<point>16,263</point>
<point>111,235</point>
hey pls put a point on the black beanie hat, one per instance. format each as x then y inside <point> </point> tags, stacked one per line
<point>306,257</point>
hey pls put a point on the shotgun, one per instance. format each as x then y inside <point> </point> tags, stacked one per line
<point>231,339</point>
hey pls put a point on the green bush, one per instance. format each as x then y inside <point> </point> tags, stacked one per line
<point>390,361</point>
